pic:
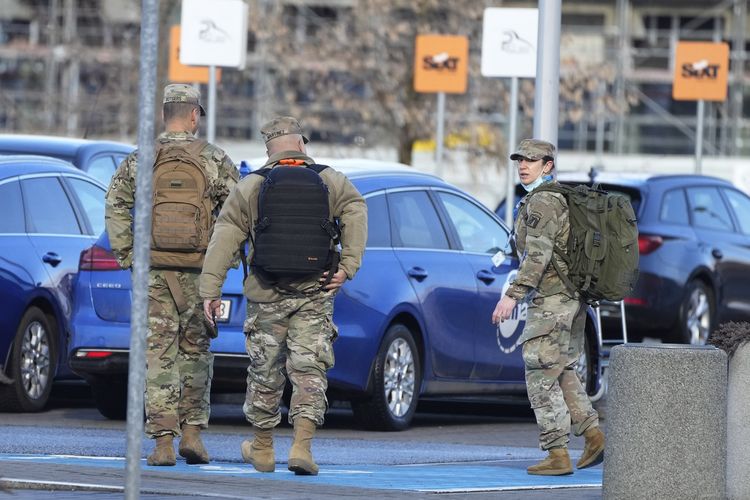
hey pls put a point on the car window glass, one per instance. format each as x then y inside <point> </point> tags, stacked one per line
<point>48,208</point>
<point>378,227</point>
<point>708,210</point>
<point>11,206</point>
<point>674,208</point>
<point>741,206</point>
<point>477,231</point>
<point>414,221</point>
<point>102,168</point>
<point>91,197</point>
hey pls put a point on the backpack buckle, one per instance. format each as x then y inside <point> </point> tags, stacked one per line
<point>260,226</point>
<point>597,239</point>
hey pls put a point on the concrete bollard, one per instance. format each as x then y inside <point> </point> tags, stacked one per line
<point>738,425</point>
<point>666,434</point>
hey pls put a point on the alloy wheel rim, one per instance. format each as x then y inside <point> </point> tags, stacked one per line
<point>35,362</point>
<point>698,317</point>
<point>399,377</point>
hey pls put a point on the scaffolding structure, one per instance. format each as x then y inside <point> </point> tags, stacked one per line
<point>69,67</point>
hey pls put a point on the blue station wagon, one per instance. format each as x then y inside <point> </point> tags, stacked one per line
<point>51,212</point>
<point>414,323</point>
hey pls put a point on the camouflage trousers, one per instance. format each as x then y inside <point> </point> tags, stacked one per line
<point>179,365</point>
<point>555,332</point>
<point>295,333</point>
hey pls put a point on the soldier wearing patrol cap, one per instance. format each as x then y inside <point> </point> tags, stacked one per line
<point>284,329</point>
<point>179,365</point>
<point>554,333</point>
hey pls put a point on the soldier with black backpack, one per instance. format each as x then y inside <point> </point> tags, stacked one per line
<point>295,215</point>
<point>575,245</point>
<point>191,180</point>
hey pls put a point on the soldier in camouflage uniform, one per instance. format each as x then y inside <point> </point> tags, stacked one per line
<point>179,363</point>
<point>554,333</point>
<point>284,329</point>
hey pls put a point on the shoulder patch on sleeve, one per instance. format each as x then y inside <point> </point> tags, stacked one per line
<point>532,219</point>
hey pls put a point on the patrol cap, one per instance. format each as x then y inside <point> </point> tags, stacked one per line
<point>282,125</point>
<point>534,149</point>
<point>179,92</point>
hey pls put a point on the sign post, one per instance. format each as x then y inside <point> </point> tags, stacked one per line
<point>213,34</point>
<point>441,66</point>
<point>509,38</point>
<point>701,72</point>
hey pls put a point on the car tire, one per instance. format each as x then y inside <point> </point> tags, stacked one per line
<point>397,378</point>
<point>110,396</point>
<point>696,316</point>
<point>32,364</point>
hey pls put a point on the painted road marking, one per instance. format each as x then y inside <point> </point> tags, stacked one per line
<point>432,478</point>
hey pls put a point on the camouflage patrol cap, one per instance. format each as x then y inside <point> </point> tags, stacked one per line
<point>534,149</point>
<point>282,125</point>
<point>179,92</point>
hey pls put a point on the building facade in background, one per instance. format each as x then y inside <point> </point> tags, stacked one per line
<point>69,67</point>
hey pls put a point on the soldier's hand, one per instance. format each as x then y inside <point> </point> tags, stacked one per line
<point>337,280</point>
<point>503,309</point>
<point>211,308</point>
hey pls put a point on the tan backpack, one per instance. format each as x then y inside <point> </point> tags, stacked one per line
<point>181,215</point>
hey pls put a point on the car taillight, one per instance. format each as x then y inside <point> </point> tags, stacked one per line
<point>93,354</point>
<point>96,258</point>
<point>647,243</point>
<point>633,301</point>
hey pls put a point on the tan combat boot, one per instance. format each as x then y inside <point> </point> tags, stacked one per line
<point>300,457</point>
<point>163,454</point>
<point>593,451</point>
<point>191,445</point>
<point>259,452</point>
<point>557,463</point>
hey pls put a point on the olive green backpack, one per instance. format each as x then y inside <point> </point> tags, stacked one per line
<point>602,254</point>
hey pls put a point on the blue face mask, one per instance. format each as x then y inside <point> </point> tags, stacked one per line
<point>538,182</point>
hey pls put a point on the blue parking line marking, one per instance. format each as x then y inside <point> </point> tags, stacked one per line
<point>433,478</point>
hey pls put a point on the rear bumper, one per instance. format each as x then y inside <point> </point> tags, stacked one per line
<point>230,370</point>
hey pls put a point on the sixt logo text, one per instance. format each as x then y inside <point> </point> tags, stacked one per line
<point>440,62</point>
<point>700,69</point>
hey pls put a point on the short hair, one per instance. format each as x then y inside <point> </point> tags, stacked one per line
<point>177,110</point>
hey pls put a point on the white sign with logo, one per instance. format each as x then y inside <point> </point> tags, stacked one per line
<point>214,33</point>
<point>509,42</point>
<point>509,331</point>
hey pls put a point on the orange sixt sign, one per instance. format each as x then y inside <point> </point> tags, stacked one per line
<point>701,71</point>
<point>441,63</point>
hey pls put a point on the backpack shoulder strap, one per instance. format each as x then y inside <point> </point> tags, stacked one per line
<point>317,168</point>
<point>195,147</point>
<point>263,172</point>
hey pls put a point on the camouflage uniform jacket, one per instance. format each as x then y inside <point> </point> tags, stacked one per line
<point>542,223</point>
<point>120,199</point>
<point>238,216</point>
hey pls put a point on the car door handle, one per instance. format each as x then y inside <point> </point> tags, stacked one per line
<point>52,258</point>
<point>417,273</point>
<point>485,276</point>
<point>717,253</point>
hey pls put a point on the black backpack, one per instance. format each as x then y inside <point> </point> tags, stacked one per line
<point>295,237</point>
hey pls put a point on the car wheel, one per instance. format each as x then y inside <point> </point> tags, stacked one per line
<point>696,315</point>
<point>585,368</point>
<point>397,378</point>
<point>110,396</point>
<point>32,364</point>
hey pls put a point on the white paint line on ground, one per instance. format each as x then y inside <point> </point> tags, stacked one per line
<point>512,488</point>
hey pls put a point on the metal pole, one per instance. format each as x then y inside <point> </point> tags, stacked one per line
<point>440,133</point>
<point>600,124</point>
<point>211,132</point>
<point>141,244</point>
<point>699,136</point>
<point>738,70</point>
<point>622,69</point>
<point>510,191</point>
<point>547,91</point>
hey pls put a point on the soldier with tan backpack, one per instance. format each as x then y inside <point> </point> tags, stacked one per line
<point>191,180</point>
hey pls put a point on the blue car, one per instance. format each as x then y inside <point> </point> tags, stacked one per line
<point>51,212</point>
<point>694,243</point>
<point>99,159</point>
<point>414,323</point>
